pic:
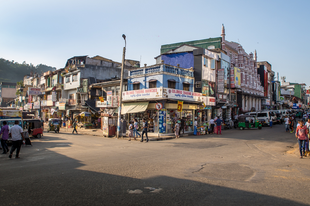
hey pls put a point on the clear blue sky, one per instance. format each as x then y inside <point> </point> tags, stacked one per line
<point>51,31</point>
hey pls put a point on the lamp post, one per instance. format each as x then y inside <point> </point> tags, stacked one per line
<point>121,92</point>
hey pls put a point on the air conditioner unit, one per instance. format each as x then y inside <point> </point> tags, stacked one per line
<point>198,84</point>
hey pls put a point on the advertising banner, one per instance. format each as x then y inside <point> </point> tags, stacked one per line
<point>237,77</point>
<point>180,106</point>
<point>54,96</point>
<point>220,81</point>
<point>162,121</point>
<point>34,91</point>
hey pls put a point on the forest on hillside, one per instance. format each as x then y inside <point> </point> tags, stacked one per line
<point>11,71</point>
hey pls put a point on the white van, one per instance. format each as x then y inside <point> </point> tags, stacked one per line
<point>264,117</point>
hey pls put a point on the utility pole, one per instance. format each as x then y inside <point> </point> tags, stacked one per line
<point>121,92</point>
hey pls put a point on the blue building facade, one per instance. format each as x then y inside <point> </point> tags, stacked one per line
<point>161,74</point>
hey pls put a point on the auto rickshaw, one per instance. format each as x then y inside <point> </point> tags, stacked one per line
<point>34,127</point>
<point>54,125</point>
<point>249,122</point>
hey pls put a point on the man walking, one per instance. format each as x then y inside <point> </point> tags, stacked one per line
<point>219,125</point>
<point>17,139</point>
<point>74,127</point>
<point>145,126</point>
<point>5,136</point>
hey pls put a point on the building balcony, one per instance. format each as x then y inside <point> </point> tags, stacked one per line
<point>160,69</point>
<point>72,101</point>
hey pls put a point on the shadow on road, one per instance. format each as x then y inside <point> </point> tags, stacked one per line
<point>58,181</point>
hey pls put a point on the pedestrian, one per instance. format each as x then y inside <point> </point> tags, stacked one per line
<point>212,125</point>
<point>74,127</point>
<point>291,125</point>
<point>301,135</point>
<point>270,123</point>
<point>218,122</point>
<point>5,136</point>
<point>287,124</point>
<point>195,126</point>
<point>145,127</point>
<point>131,131</point>
<point>135,129</point>
<point>176,129</point>
<point>17,139</point>
<point>307,140</point>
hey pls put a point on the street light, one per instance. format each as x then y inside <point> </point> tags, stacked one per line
<point>121,91</point>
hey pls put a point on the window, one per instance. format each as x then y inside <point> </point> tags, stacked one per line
<point>186,86</point>
<point>71,96</point>
<point>74,78</point>
<point>152,84</point>
<point>68,79</point>
<point>205,63</point>
<point>212,63</point>
<point>171,84</point>
<point>12,86</point>
<point>136,86</point>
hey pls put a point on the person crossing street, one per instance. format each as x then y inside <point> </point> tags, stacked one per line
<point>17,139</point>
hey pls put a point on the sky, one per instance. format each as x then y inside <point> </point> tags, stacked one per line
<point>52,31</point>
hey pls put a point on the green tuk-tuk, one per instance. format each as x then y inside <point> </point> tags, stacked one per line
<point>54,125</point>
<point>249,122</point>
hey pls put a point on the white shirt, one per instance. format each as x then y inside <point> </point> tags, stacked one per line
<point>307,124</point>
<point>286,120</point>
<point>211,121</point>
<point>16,131</point>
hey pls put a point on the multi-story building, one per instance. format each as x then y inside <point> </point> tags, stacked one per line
<point>154,93</point>
<point>79,73</point>
<point>7,93</point>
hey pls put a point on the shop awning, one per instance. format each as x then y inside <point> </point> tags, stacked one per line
<point>134,107</point>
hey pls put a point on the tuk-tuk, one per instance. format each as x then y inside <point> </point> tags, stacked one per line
<point>54,125</point>
<point>249,122</point>
<point>34,127</point>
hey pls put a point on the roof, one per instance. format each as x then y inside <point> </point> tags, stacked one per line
<point>203,43</point>
<point>8,83</point>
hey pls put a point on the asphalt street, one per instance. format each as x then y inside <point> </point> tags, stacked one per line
<point>250,167</point>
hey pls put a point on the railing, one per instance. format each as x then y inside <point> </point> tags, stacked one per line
<point>172,70</point>
<point>187,73</point>
<point>152,70</point>
<point>136,72</point>
<point>72,101</point>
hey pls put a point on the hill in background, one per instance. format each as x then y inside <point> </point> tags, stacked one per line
<point>11,71</point>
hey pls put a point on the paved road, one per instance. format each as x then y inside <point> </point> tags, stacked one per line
<point>250,167</point>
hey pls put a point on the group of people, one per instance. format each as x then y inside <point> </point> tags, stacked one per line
<point>301,133</point>
<point>16,132</point>
<point>134,127</point>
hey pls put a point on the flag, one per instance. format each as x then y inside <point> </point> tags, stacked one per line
<point>180,106</point>
<point>101,99</point>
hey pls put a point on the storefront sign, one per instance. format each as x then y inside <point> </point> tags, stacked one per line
<point>155,93</point>
<point>62,106</point>
<point>101,104</point>
<point>158,106</point>
<point>36,105</point>
<point>49,103</point>
<point>34,91</point>
<point>184,95</point>
<point>43,103</point>
<point>210,101</point>
<point>162,121</point>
